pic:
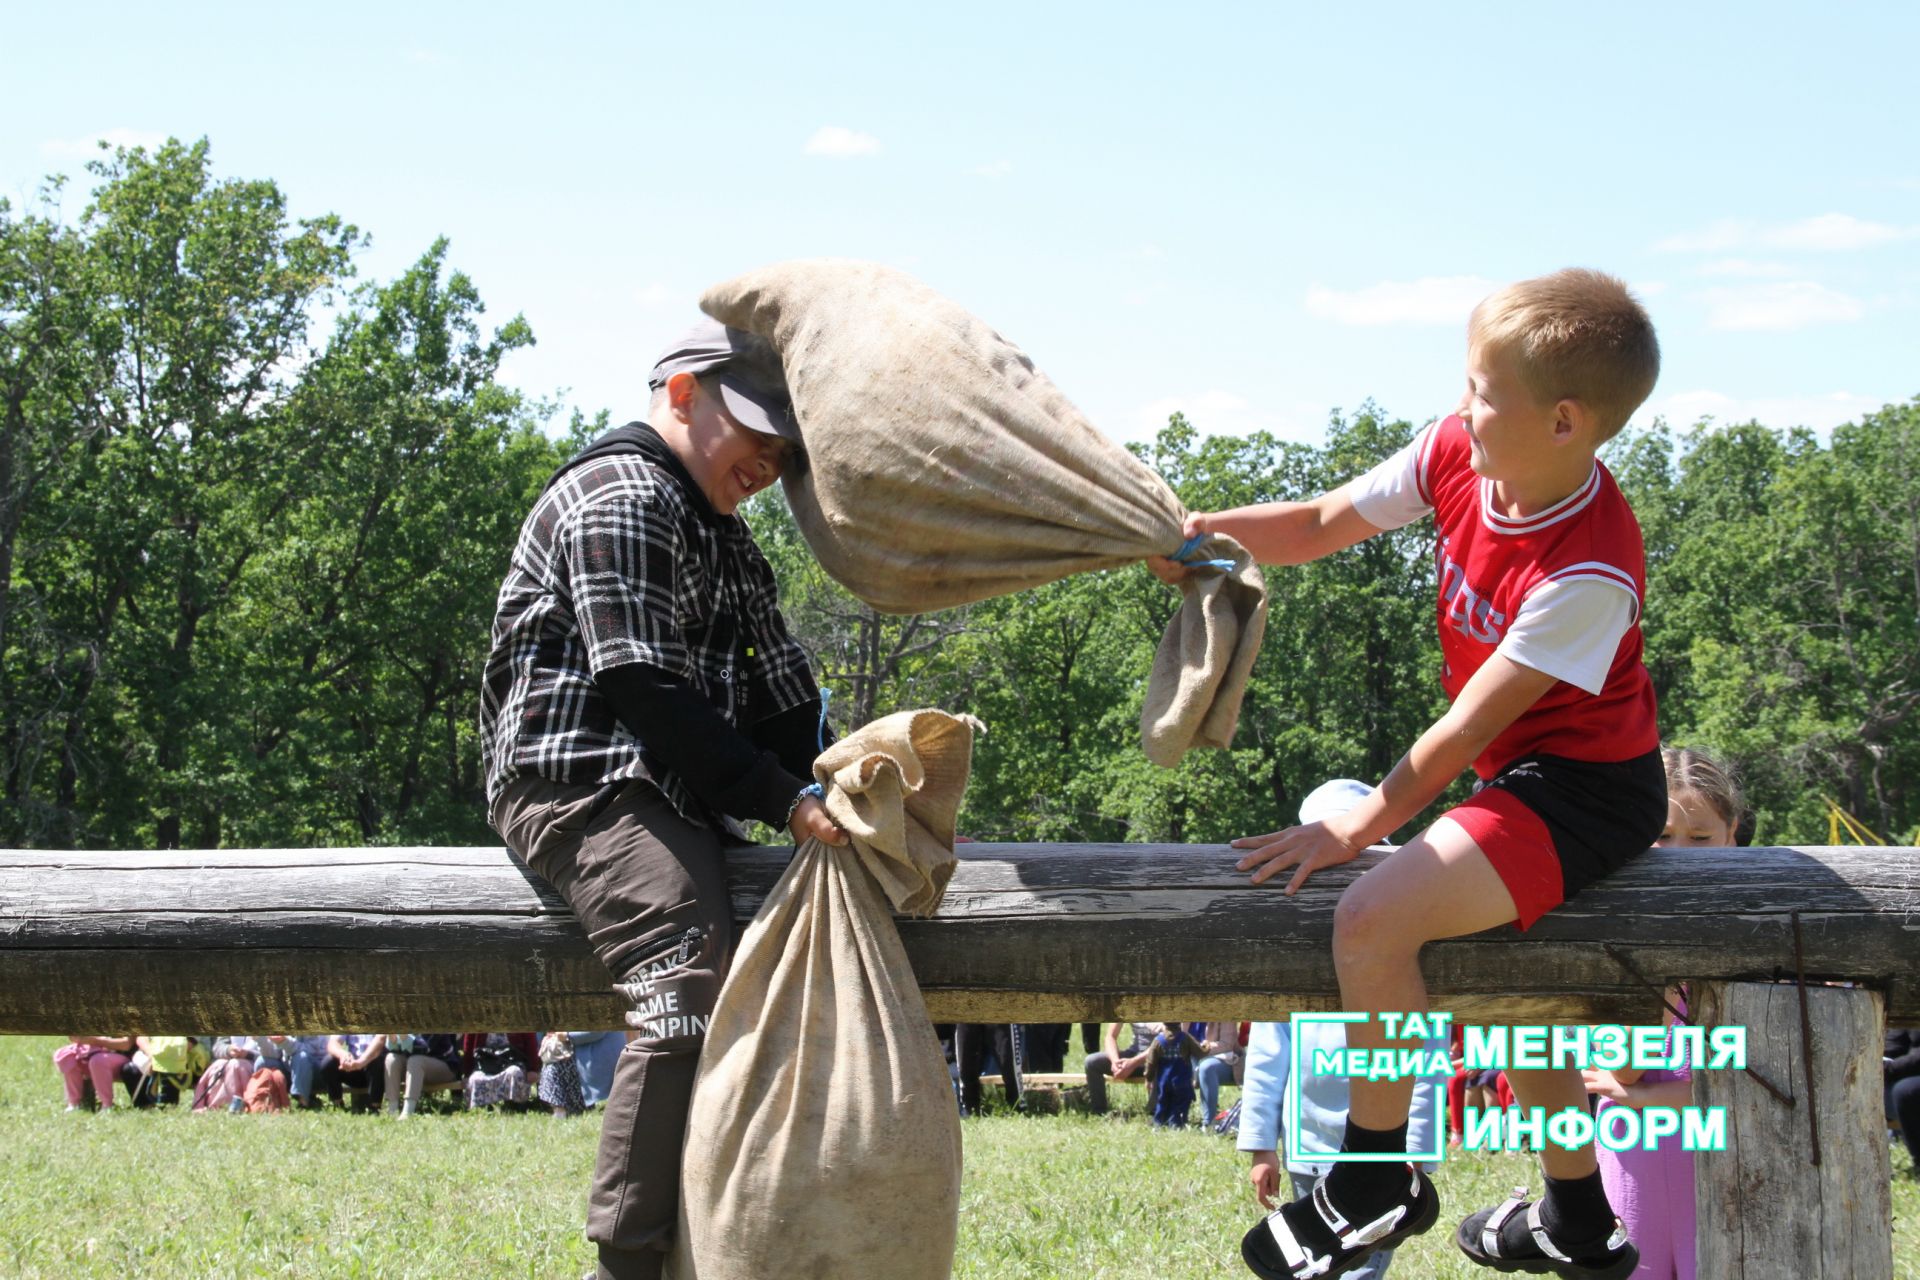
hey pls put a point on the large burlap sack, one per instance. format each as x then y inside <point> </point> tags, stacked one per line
<point>824,1140</point>
<point>944,468</point>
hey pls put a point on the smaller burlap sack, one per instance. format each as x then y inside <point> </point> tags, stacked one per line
<point>824,1141</point>
<point>943,468</point>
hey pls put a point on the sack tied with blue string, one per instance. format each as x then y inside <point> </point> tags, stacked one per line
<point>943,468</point>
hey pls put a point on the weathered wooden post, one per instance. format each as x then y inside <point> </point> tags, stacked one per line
<point>1803,1186</point>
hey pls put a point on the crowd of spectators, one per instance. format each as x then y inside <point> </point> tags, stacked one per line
<point>566,1072</point>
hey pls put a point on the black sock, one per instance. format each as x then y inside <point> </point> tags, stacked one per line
<point>1576,1213</point>
<point>1367,1187</point>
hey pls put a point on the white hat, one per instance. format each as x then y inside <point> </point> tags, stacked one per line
<point>1331,798</point>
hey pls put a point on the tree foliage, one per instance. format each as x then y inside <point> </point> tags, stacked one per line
<point>248,577</point>
<point>247,571</point>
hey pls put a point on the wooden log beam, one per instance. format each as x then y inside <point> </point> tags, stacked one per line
<point>466,939</point>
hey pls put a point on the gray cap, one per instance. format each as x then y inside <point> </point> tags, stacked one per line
<point>753,386</point>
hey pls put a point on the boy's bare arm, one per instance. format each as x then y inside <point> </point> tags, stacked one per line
<point>1494,698</point>
<point>1290,532</point>
<point>1280,532</point>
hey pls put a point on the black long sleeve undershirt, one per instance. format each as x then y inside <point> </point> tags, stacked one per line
<point>755,774</point>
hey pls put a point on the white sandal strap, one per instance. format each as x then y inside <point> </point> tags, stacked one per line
<point>1349,1236</point>
<point>1303,1264</point>
<point>1490,1231</point>
<point>1540,1236</point>
<point>1323,1205</point>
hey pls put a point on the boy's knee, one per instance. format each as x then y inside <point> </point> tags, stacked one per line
<point>1358,922</point>
<point>1366,932</point>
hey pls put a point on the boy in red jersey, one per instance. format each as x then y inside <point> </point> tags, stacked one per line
<point>1541,576</point>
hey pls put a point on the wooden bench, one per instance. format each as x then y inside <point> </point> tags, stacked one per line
<point>1058,1079</point>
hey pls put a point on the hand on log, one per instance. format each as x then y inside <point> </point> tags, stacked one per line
<point>1308,848</point>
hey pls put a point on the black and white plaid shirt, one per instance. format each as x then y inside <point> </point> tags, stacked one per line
<point>622,560</point>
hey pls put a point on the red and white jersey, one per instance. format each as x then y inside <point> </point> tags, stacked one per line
<point>1558,591</point>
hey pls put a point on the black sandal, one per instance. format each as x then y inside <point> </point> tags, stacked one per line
<point>1482,1237</point>
<point>1350,1245</point>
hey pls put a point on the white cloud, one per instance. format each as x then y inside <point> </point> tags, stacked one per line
<point>1821,412</point>
<point>1431,300</point>
<point>832,140</point>
<point>1836,231</point>
<point>657,294</point>
<point>88,148</point>
<point>1746,267</point>
<point>1828,232</point>
<point>996,169</point>
<point>1787,305</point>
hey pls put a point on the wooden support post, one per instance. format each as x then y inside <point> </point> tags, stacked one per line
<point>1766,1210</point>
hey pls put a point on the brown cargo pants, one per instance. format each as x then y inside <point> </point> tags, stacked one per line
<point>650,889</point>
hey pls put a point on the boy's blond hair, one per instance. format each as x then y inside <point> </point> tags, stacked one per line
<point>1575,335</point>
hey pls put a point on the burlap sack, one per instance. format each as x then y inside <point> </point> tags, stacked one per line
<point>944,468</point>
<point>824,1141</point>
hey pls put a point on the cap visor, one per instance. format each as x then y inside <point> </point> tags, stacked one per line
<point>758,412</point>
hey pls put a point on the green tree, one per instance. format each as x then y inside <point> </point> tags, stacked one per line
<point>259,573</point>
<point>367,623</point>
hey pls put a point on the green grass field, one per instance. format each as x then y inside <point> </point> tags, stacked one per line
<point>331,1194</point>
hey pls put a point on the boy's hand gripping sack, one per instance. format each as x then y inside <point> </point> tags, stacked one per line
<point>943,468</point>
<point>824,1140</point>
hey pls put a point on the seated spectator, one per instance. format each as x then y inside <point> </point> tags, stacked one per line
<point>88,1066</point>
<point>362,1074</point>
<point>1169,1070</point>
<point>266,1090</point>
<point>223,1086</point>
<point>1219,1063</point>
<point>1129,1065</point>
<point>163,1067</point>
<point>315,1070</point>
<point>417,1064</point>
<point>499,1066</point>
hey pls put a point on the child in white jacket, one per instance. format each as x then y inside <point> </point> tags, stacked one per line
<point>1323,1098</point>
<point>1323,1114</point>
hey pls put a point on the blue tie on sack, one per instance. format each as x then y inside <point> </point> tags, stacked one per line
<point>1192,545</point>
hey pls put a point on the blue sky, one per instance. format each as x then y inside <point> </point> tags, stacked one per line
<point>1253,213</point>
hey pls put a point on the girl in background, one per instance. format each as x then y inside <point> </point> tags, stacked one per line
<point>1652,1191</point>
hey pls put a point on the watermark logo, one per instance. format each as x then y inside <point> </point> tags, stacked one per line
<point>1414,1050</point>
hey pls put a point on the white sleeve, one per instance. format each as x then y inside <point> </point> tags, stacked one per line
<point>1391,495</point>
<point>1571,630</point>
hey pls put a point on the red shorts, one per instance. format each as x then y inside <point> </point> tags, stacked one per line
<point>1552,826</point>
<point>1520,848</point>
